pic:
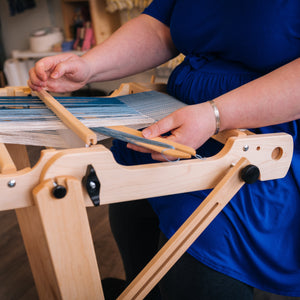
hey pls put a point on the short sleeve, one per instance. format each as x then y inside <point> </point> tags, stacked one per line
<point>161,10</point>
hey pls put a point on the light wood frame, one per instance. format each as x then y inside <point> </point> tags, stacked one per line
<point>56,232</point>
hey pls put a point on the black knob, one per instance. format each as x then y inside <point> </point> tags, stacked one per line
<point>59,191</point>
<point>250,174</point>
<point>92,184</point>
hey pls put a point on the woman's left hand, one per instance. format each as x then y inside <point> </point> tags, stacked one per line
<point>191,126</point>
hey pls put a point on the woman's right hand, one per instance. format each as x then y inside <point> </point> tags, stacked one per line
<point>60,73</point>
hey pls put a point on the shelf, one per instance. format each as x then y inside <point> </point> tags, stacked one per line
<point>29,54</point>
<point>103,22</point>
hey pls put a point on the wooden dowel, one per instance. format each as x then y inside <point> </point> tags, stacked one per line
<point>87,135</point>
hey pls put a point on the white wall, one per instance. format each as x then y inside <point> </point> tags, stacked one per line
<point>16,29</point>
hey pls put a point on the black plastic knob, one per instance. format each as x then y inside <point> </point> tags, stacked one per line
<point>250,174</point>
<point>59,191</point>
<point>92,184</point>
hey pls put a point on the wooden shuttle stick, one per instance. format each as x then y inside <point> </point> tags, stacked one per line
<point>187,152</point>
<point>161,145</point>
<point>87,135</point>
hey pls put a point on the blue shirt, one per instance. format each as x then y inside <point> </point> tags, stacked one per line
<point>256,238</point>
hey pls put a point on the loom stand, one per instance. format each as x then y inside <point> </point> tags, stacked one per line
<point>61,254</point>
<point>56,231</point>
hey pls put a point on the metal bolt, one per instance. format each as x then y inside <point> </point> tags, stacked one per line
<point>92,184</point>
<point>246,148</point>
<point>12,183</point>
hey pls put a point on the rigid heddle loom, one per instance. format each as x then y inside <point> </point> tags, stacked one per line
<point>50,200</point>
<point>27,120</point>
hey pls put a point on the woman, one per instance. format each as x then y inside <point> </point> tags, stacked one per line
<point>244,55</point>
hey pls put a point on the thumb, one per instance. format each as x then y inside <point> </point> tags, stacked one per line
<point>66,67</point>
<point>54,65</point>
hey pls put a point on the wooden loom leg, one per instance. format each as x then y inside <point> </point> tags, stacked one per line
<point>59,245</point>
<point>186,234</point>
<point>57,237</point>
<point>19,155</point>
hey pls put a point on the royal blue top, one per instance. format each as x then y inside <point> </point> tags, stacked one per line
<point>256,238</point>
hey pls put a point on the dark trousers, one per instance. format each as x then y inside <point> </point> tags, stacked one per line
<point>135,228</point>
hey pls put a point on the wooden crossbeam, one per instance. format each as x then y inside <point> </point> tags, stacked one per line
<point>87,135</point>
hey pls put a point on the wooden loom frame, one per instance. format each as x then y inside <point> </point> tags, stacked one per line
<point>56,231</point>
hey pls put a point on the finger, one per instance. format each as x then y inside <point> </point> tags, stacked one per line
<point>47,66</point>
<point>162,157</point>
<point>139,148</point>
<point>34,79</point>
<point>65,64</point>
<point>42,68</point>
<point>159,156</point>
<point>180,135</point>
<point>34,83</point>
<point>63,68</point>
<point>155,155</point>
<point>33,87</point>
<point>161,127</point>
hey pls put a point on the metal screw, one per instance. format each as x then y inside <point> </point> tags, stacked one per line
<point>12,183</point>
<point>246,148</point>
<point>92,184</point>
